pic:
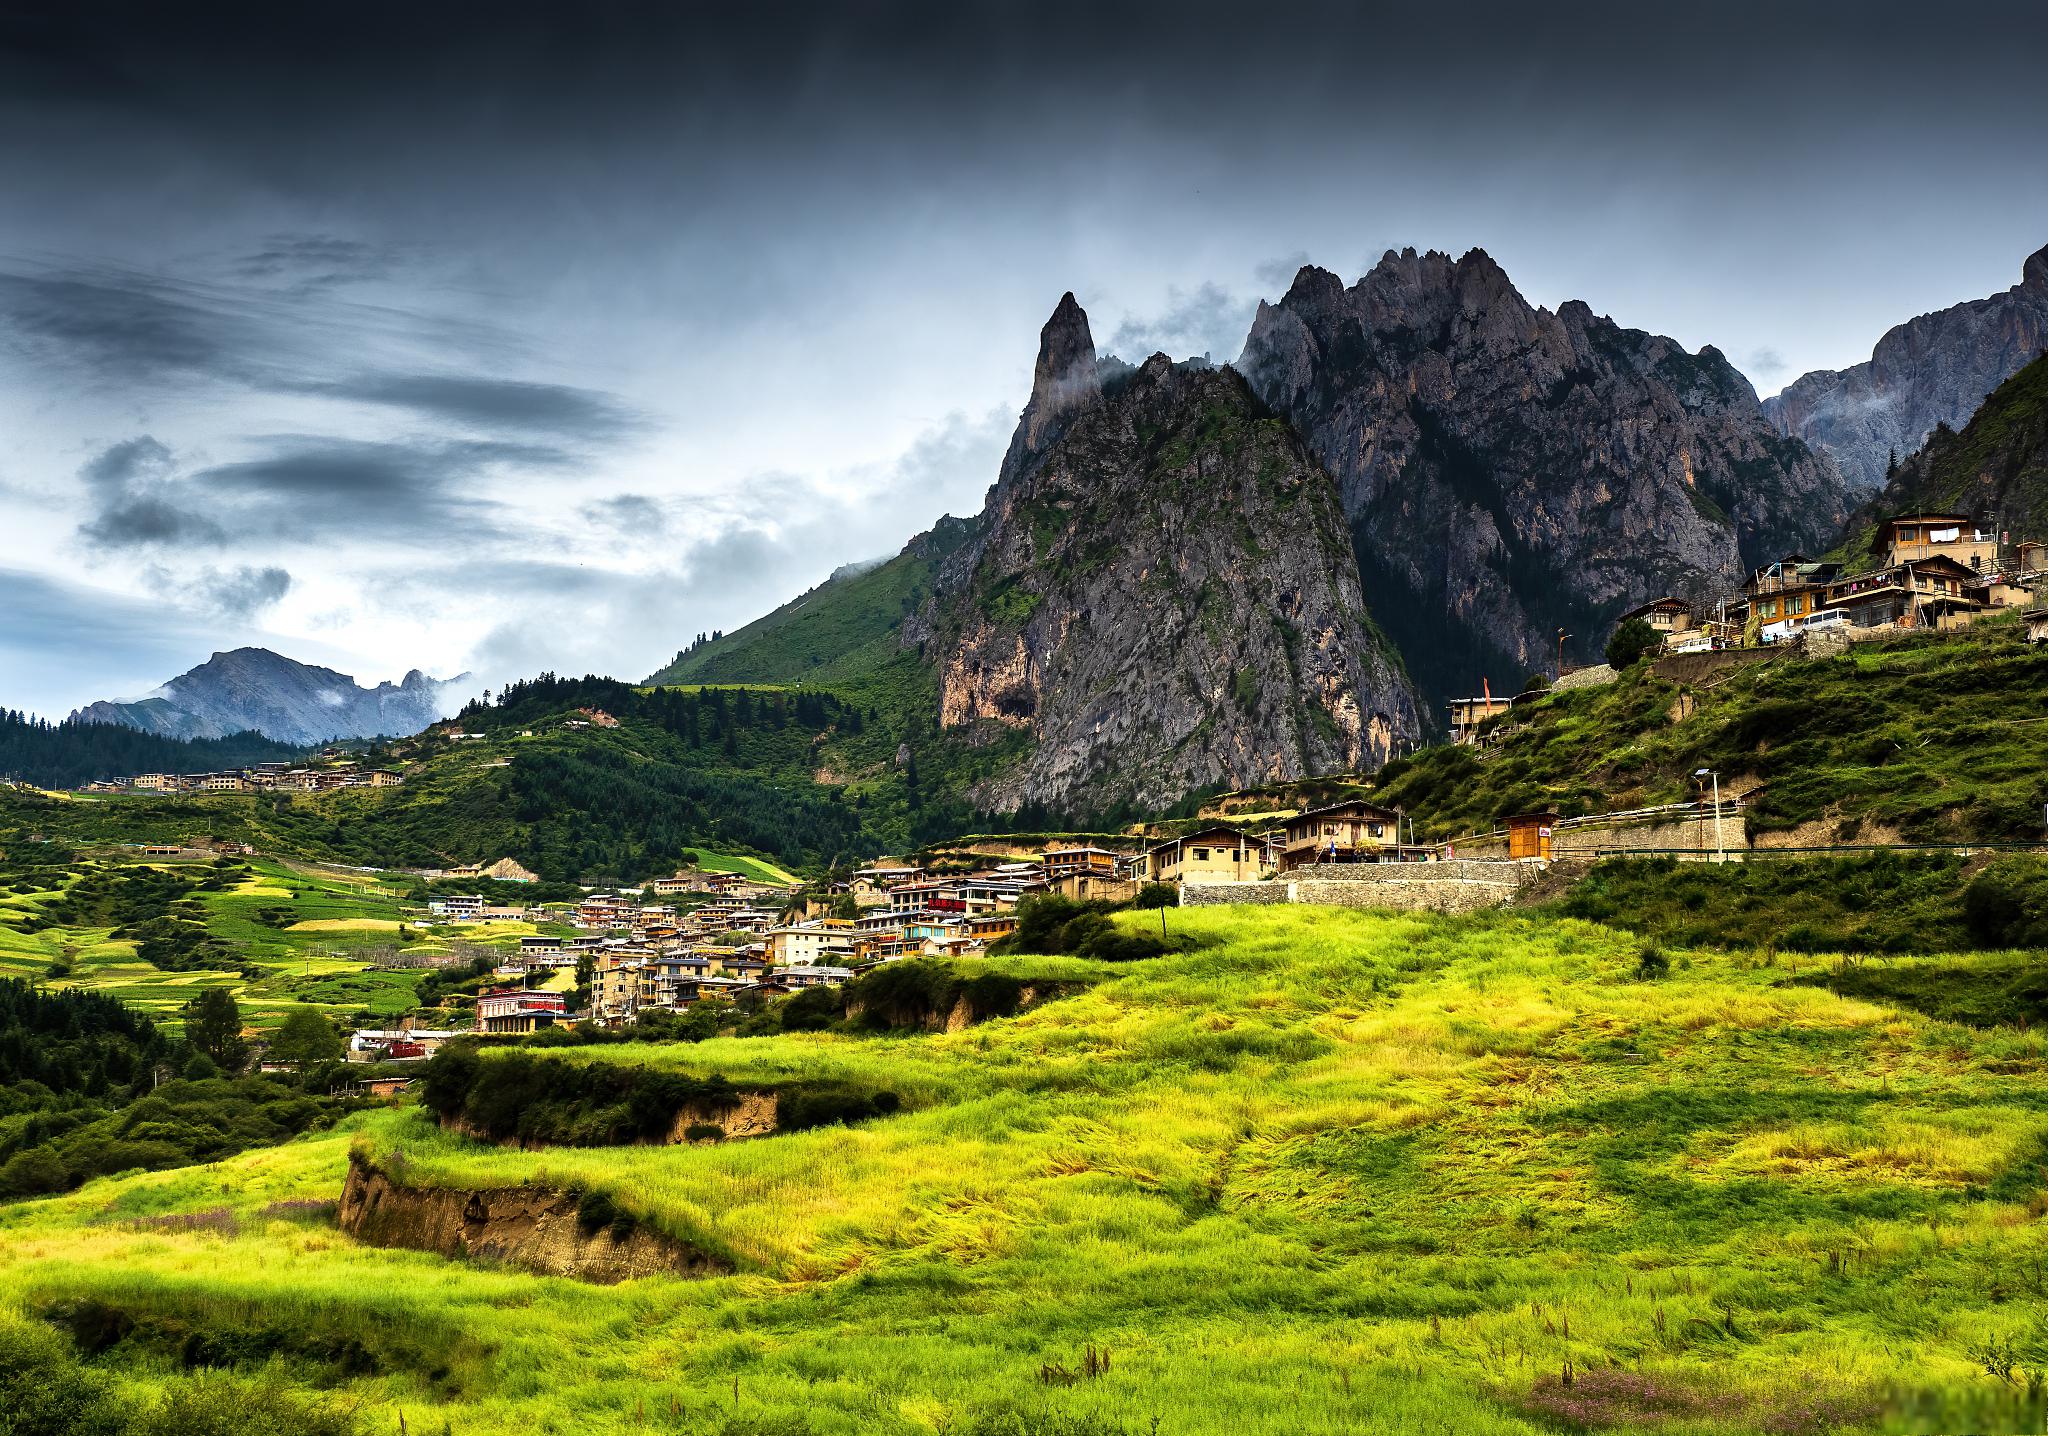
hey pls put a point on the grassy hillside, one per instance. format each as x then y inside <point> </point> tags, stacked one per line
<point>1328,1172</point>
<point>844,628</point>
<point>1927,738</point>
<point>278,936</point>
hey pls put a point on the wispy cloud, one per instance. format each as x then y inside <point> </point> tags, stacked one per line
<point>1209,320</point>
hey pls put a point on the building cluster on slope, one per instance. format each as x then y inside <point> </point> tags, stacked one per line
<point>1931,571</point>
<point>261,777</point>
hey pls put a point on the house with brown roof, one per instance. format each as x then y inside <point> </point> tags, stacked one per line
<point>1349,832</point>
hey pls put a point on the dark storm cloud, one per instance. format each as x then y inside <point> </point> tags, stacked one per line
<point>308,484</point>
<point>241,592</point>
<point>627,514</point>
<point>307,487</point>
<point>316,261</point>
<point>118,325</point>
<point>556,409</point>
<point>134,499</point>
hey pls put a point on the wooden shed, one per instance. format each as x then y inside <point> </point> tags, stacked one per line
<point>1529,835</point>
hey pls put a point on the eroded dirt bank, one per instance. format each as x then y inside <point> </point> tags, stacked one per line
<point>538,1228</point>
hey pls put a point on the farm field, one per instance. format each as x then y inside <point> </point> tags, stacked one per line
<point>289,934</point>
<point>1327,1171</point>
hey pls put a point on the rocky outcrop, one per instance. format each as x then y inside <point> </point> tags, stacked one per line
<point>1510,473</point>
<point>537,1228</point>
<point>253,688</point>
<point>1161,592</point>
<point>1936,369</point>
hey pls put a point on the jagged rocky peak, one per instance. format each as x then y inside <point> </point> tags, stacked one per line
<point>1163,595</point>
<point>1509,472</point>
<point>2034,273</point>
<point>1064,378</point>
<point>254,688</point>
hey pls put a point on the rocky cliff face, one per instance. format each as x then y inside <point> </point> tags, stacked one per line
<point>1509,472</point>
<point>1995,467</point>
<point>253,688</point>
<point>1161,591</point>
<point>1935,369</point>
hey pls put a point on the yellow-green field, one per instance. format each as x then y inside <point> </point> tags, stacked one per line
<point>326,923</point>
<point>1328,1172</point>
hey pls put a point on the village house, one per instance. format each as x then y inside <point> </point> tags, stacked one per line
<point>1668,616</point>
<point>1216,854</point>
<point>1913,537</point>
<point>1468,713</point>
<point>519,1010</point>
<point>805,944</point>
<point>1067,862</point>
<point>461,908</point>
<point>1350,832</point>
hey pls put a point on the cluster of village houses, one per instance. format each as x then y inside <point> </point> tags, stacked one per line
<point>1937,571</point>
<point>736,938</point>
<point>258,778</point>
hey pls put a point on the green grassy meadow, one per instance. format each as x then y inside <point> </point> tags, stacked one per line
<point>1327,1171</point>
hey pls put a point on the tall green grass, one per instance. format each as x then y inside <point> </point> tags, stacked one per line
<point>1325,1172</point>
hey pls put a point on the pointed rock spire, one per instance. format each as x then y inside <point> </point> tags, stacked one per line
<point>1064,378</point>
<point>2034,274</point>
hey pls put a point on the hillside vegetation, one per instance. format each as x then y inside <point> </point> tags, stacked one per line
<point>65,755</point>
<point>1996,467</point>
<point>1931,738</point>
<point>1325,1172</point>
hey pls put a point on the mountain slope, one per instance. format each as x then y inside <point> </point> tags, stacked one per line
<point>845,627</point>
<point>1510,473</point>
<point>1996,467</point>
<point>253,689</point>
<point>1161,591</point>
<point>1932,370</point>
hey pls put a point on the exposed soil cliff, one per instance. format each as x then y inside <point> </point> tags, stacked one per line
<point>537,1228</point>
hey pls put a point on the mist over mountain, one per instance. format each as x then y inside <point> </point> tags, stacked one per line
<point>1935,369</point>
<point>253,689</point>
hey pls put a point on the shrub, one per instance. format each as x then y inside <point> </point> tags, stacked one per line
<point>1652,964</point>
<point>1631,642</point>
<point>1156,895</point>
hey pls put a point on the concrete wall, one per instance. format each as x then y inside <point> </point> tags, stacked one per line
<point>1591,677</point>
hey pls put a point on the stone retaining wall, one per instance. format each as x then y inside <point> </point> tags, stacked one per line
<point>1660,834</point>
<point>1454,886</point>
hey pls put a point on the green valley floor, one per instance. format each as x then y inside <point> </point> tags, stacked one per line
<point>1325,1172</point>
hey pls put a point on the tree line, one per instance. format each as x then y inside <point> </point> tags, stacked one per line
<point>66,754</point>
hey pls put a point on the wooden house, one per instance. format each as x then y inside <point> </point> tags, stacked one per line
<point>1349,832</point>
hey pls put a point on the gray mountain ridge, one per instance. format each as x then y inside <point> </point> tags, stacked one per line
<point>279,697</point>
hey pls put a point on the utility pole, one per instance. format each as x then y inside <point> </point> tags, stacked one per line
<point>1561,637</point>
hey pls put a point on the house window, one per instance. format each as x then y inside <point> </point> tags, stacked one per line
<point>1908,534</point>
<point>1378,828</point>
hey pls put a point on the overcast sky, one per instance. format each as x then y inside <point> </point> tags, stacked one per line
<point>545,337</point>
